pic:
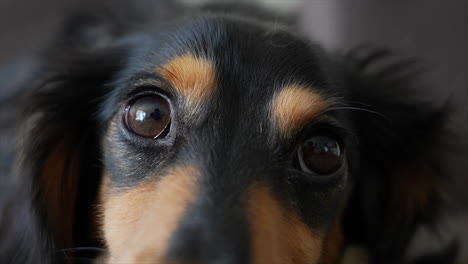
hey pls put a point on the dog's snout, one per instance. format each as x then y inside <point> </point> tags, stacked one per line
<point>192,249</point>
<point>204,237</point>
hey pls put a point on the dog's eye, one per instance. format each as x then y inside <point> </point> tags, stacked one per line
<point>148,116</point>
<point>320,154</point>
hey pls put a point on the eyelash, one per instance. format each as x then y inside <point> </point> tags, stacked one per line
<point>146,89</point>
<point>341,134</point>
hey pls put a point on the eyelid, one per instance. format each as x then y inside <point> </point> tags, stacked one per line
<point>327,126</point>
<point>146,88</point>
<point>152,83</point>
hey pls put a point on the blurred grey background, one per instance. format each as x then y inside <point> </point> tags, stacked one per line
<point>434,30</point>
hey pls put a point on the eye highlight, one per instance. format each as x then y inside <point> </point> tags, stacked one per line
<point>320,154</point>
<point>148,116</point>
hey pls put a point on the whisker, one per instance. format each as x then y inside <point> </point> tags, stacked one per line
<point>77,260</point>
<point>81,249</point>
<point>347,102</point>
<point>357,109</point>
<point>79,254</point>
<point>66,257</point>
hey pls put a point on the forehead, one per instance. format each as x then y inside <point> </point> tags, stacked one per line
<point>254,55</point>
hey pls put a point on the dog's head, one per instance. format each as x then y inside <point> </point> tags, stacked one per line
<point>220,139</point>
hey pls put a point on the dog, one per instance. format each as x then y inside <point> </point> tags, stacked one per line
<point>221,137</point>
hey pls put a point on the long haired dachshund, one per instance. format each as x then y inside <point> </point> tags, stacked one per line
<point>219,138</point>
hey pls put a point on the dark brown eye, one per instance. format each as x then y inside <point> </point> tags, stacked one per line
<point>320,154</point>
<point>148,116</point>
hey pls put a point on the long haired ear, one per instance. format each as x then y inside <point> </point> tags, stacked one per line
<point>21,237</point>
<point>396,184</point>
<point>59,152</point>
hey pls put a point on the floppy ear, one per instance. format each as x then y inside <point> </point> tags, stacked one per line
<point>60,149</point>
<point>20,236</point>
<point>395,185</point>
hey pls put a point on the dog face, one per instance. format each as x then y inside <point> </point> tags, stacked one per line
<point>227,140</point>
<point>221,140</point>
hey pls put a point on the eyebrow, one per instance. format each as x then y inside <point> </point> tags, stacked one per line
<point>192,77</point>
<point>296,105</point>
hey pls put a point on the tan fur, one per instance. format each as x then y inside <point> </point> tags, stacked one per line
<point>103,194</point>
<point>192,77</point>
<point>333,243</point>
<point>58,188</point>
<point>139,222</point>
<point>356,255</point>
<point>103,197</point>
<point>294,107</point>
<point>278,234</point>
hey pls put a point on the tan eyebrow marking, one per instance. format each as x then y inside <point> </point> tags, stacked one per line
<point>138,223</point>
<point>278,234</point>
<point>192,77</point>
<point>294,106</point>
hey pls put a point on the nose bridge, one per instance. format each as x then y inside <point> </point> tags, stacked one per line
<point>213,230</point>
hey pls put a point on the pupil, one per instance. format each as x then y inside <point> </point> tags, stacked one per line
<point>156,114</point>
